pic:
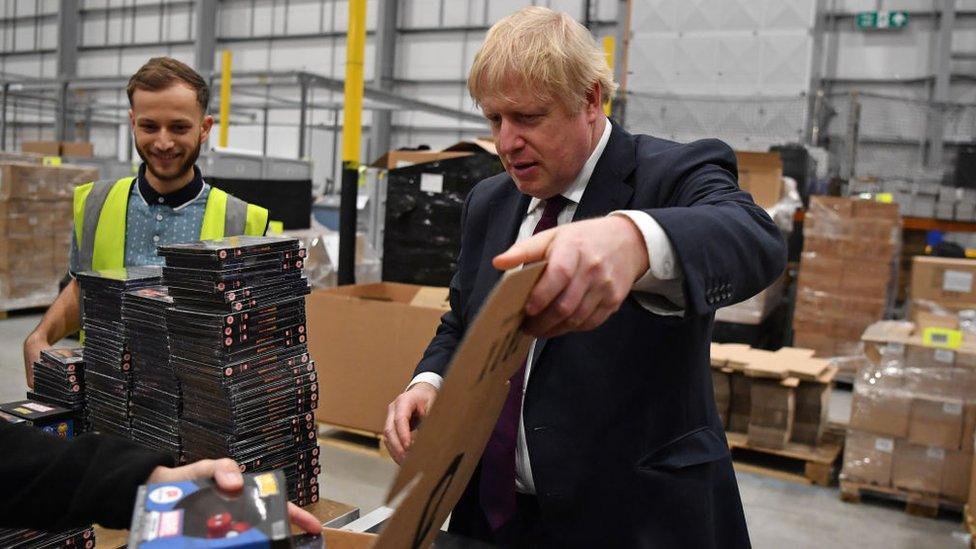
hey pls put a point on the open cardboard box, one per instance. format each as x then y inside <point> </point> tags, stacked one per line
<point>451,439</point>
<point>366,340</point>
<point>400,159</point>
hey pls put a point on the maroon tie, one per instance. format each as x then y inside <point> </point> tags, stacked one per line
<point>497,487</point>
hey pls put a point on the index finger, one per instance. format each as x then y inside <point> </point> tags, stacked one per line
<point>529,250</point>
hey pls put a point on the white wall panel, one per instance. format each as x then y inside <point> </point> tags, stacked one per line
<point>24,38</point>
<point>94,4</point>
<point>49,35</point>
<point>468,13</point>
<point>234,19</point>
<point>178,25</point>
<point>93,31</point>
<point>607,10</point>
<point>427,13</point>
<point>572,7</point>
<point>884,55</point>
<point>147,27</point>
<point>25,7</point>
<point>428,56</point>
<point>304,17</point>
<point>262,18</point>
<point>500,8</point>
<point>852,6</point>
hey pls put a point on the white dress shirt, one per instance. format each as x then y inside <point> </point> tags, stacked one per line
<point>659,290</point>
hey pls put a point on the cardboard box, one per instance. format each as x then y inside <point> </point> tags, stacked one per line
<point>875,209</point>
<point>77,149</point>
<point>831,207</point>
<point>772,413</point>
<point>936,422</point>
<point>955,475</point>
<point>812,406</point>
<point>741,405</point>
<point>882,413</point>
<point>33,182</point>
<point>917,468</point>
<point>868,458</point>
<point>366,341</point>
<point>46,148</point>
<point>761,175</point>
<point>950,282</point>
<point>723,394</point>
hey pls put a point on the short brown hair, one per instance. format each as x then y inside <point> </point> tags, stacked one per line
<point>160,73</point>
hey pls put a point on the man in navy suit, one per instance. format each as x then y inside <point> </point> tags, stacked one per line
<point>610,436</point>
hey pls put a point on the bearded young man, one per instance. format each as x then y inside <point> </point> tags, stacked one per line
<point>120,223</point>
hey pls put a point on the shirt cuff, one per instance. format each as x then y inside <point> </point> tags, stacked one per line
<point>664,278</point>
<point>427,377</point>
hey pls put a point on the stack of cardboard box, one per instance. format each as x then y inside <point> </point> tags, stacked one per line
<point>35,230</point>
<point>913,417</point>
<point>846,272</point>
<point>776,398</point>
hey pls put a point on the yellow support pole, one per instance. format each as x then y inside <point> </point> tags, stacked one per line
<point>609,44</point>
<point>352,114</point>
<point>224,97</point>
<point>353,110</point>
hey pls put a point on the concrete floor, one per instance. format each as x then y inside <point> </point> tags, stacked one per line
<point>779,513</point>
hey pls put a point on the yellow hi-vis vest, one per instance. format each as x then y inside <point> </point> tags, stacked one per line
<point>100,211</point>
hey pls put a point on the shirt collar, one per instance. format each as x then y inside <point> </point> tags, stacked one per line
<point>575,190</point>
<point>174,199</point>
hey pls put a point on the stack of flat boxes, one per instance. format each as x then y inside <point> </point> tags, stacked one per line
<point>847,272</point>
<point>35,230</point>
<point>913,416</point>
<point>773,412</point>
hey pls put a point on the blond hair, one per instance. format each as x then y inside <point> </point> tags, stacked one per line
<point>545,51</point>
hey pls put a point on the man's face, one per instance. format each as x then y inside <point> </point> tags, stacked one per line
<point>169,128</point>
<point>543,145</point>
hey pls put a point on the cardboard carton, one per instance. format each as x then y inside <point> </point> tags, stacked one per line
<point>755,309</point>
<point>949,282</point>
<point>46,148</point>
<point>868,458</point>
<point>936,422</point>
<point>33,182</point>
<point>741,405</point>
<point>955,475</point>
<point>366,341</point>
<point>812,406</point>
<point>882,413</point>
<point>918,468</point>
<point>761,175</point>
<point>77,149</point>
<point>772,412</point>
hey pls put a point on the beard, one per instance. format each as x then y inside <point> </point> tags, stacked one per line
<point>186,166</point>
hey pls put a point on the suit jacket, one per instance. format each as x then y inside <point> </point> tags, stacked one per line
<point>625,443</point>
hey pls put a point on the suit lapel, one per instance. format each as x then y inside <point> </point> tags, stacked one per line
<point>504,219</point>
<point>607,190</point>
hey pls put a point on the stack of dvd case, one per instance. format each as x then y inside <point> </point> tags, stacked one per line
<point>108,360</point>
<point>78,538</point>
<point>59,379</point>
<point>238,345</point>
<point>156,401</point>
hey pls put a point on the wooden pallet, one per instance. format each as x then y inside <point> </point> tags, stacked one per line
<point>795,462</point>
<point>355,440</point>
<point>917,504</point>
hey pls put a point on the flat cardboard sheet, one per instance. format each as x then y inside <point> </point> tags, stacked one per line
<point>451,439</point>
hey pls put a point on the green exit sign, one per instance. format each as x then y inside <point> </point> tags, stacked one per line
<point>872,20</point>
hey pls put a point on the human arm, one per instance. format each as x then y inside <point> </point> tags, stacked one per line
<point>53,484</point>
<point>725,247</point>
<point>61,319</point>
